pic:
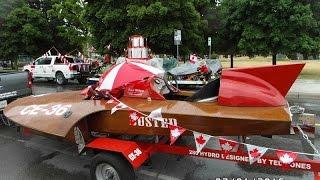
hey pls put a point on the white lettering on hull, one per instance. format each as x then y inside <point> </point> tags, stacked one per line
<point>148,122</point>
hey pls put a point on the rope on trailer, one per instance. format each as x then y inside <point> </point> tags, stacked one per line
<point>305,136</point>
<point>296,109</point>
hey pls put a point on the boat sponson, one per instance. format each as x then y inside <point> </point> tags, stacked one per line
<point>208,118</point>
<point>263,86</point>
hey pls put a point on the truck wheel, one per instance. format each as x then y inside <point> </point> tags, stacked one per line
<point>82,80</point>
<point>105,166</point>
<point>60,79</point>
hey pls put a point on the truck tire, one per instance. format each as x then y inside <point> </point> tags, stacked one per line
<point>82,80</point>
<point>60,79</point>
<point>111,166</point>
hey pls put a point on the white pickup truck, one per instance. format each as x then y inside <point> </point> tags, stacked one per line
<point>55,68</point>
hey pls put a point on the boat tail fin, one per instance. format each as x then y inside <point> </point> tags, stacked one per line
<point>257,86</point>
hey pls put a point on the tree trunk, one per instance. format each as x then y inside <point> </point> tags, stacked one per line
<point>231,60</point>
<point>274,59</point>
<point>15,65</point>
<point>11,64</point>
<point>305,56</point>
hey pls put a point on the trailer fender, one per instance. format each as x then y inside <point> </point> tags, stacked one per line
<point>135,154</point>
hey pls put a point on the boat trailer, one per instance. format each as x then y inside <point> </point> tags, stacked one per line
<point>127,155</point>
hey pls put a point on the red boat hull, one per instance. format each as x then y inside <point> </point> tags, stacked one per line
<point>258,86</point>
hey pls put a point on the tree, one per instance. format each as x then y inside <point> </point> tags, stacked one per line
<point>315,7</point>
<point>227,37</point>
<point>271,26</point>
<point>6,6</point>
<point>70,26</point>
<point>60,16</point>
<point>24,32</point>
<point>112,22</point>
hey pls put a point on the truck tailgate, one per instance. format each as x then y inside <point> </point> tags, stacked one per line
<point>14,85</point>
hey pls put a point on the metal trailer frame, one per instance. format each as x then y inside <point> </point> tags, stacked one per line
<point>136,153</point>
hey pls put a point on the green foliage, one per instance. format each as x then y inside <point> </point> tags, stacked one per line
<point>226,37</point>
<point>259,27</point>
<point>269,26</point>
<point>114,21</point>
<point>70,25</point>
<point>214,55</point>
<point>6,6</point>
<point>64,32</point>
<point>40,24</point>
<point>24,32</point>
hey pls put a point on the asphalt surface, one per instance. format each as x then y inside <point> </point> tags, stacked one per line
<point>37,157</point>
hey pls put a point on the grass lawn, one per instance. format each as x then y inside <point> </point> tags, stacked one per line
<point>310,71</point>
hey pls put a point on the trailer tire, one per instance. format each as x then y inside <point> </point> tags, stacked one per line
<point>111,165</point>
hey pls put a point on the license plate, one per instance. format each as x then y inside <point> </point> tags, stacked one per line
<point>3,104</point>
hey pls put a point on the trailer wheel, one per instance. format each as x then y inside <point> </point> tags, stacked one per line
<point>109,166</point>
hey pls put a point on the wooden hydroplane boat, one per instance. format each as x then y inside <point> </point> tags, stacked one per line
<point>243,102</point>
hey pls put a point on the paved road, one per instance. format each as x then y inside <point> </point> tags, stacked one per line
<point>38,157</point>
<point>306,93</point>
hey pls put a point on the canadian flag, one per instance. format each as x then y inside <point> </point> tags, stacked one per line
<point>156,115</point>
<point>175,132</point>
<point>286,157</point>
<point>201,140</point>
<point>227,145</point>
<point>255,152</point>
<point>193,58</point>
<point>117,107</point>
<point>133,117</point>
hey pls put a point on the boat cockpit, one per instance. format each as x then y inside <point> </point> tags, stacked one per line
<point>159,88</point>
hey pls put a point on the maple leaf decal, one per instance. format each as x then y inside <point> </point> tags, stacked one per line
<point>255,153</point>
<point>286,159</point>
<point>226,146</point>
<point>132,122</point>
<point>175,133</point>
<point>134,116</point>
<point>200,140</point>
